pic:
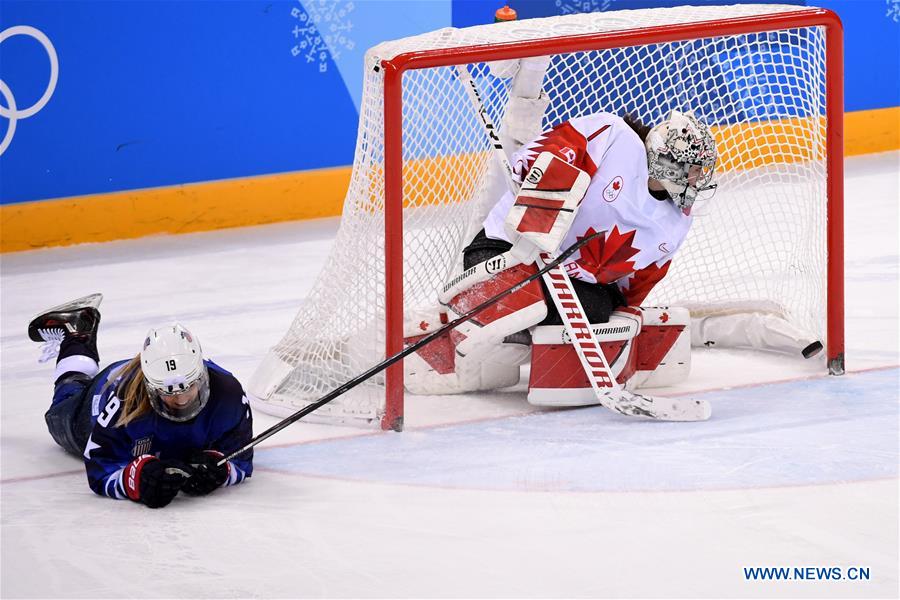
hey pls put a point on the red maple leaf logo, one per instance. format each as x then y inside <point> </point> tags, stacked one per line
<point>616,185</point>
<point>608,259</point>
<point>423,325</point>
<point>664,317</point>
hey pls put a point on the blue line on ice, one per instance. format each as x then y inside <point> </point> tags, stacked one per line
<point>835,429</point>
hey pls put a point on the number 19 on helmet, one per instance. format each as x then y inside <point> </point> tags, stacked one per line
<point>174,373</point>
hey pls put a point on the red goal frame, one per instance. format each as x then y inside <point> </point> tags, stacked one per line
<point>393,152</point>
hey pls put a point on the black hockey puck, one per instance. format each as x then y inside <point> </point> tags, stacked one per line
<point>812,350</point>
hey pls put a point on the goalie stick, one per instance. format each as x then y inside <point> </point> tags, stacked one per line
<point>607,390</point>
<point>408,350</point>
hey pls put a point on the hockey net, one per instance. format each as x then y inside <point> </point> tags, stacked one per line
<point>757,73</point>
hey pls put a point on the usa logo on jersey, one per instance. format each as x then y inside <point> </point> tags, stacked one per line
<point>142,446</point>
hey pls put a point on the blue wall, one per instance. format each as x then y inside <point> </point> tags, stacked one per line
<point>160,93</point>
<point>871,51</point>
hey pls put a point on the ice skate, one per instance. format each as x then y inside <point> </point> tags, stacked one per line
<point>77,320</point>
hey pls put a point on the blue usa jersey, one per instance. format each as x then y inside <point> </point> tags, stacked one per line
<point>225,424</point>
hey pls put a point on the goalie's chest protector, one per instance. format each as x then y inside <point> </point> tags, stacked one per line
<point>641,230</point>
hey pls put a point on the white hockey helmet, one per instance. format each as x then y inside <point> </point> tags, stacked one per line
<point>174,373</point>
<point>681,155</point>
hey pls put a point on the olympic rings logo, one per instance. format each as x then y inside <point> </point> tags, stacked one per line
<point>10,111</point>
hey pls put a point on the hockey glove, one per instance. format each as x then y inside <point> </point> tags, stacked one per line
<point>207,474</point>
<point>154,482</point>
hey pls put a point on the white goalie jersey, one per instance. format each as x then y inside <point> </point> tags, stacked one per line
<point>642,233</point>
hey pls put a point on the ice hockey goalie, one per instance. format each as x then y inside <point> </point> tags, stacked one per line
<point>596,173</point>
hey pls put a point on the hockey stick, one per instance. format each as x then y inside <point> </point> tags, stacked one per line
<point>408,350</point>
<point>475,97</point>
<point>607,390</point>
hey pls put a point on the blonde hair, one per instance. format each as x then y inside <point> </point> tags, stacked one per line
<point>131,391</point>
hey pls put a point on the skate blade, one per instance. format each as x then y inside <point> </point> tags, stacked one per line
<point>89,301</point>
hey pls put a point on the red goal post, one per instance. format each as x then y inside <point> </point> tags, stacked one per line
<point>403,180</point>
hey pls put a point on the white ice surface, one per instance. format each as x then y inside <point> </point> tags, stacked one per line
<point>481,495</point>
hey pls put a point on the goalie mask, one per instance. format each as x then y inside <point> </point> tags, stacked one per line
<point>681,155</point>
<point>174,373</point>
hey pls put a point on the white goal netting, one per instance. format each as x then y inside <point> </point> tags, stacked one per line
<point>760,242</point>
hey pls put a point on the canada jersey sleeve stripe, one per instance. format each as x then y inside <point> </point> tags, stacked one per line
<point>598,132</point>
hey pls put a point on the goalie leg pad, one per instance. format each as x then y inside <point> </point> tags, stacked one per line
<point>476,355</point>
<point>523,119</point>
<point>478,337</point>
<point>557,376</point>
<point>437,369</point>
<point>748,328</point>
<point>528,102</point>
<point>663,348</point>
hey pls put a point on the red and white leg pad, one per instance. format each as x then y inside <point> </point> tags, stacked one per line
<point>645,347</point>
<point>474,356</point>
<point>557,377</point>
<point>437,369</point>
<point>663,348</point>
<point>520,310</point>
